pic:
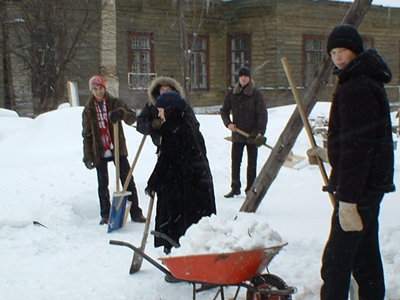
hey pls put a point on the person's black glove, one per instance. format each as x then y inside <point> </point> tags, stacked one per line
<point>149,191</point>
<point>260,140</point>
<point>156,138</point>
<point>149,111</point>
<point>89,164</point>
<point>143,125</point>
<point>115,115</point>
<point>144,122</point>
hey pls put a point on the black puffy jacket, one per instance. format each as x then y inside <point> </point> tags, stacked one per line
<point>360,144</point>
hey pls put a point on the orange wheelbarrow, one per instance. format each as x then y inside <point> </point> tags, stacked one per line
<point>240,269</point>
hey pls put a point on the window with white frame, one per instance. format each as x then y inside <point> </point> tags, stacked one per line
<point>199,62</point>
<point>239,55</point>
<point>140,60</point>
<point>314,54</point>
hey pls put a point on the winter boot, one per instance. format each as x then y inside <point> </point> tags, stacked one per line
<point>104,221</point>
<point>232,193</point>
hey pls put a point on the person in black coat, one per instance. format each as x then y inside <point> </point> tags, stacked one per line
<point>249,114</point>
<point>360,152</point>
<point>148,122</point>
<point>182,177</point>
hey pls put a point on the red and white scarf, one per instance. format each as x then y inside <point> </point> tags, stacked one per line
<point>102,117</point>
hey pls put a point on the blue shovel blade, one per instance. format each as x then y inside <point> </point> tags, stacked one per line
<point>116,219</point>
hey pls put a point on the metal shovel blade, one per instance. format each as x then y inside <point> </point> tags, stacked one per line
<point>138,259</point>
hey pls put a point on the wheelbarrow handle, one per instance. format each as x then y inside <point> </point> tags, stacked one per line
<point>141,253</point>
<point>165,237</point>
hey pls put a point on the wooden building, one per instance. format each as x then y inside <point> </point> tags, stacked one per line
<point>141,39</point>
<point>252,32</point>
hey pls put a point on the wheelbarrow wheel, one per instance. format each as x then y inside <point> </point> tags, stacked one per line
<point>268,282</point>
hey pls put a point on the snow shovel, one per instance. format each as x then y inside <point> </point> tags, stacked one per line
<point>129,176</point>
<point>121,198</point>
<point>137,259</point>
<point>117,213</point>
<point>290,161</point>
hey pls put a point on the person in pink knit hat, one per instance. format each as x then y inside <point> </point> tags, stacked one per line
<point>98,148</point>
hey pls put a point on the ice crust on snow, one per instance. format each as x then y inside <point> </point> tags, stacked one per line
<point>247,231</point>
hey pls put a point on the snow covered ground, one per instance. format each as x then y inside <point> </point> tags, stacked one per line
<point>43,178</point>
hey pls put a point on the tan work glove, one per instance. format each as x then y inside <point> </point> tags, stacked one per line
<point>156,123</point>
<point>260,140</point>
<point>349,217</point>
<point>315,152</point>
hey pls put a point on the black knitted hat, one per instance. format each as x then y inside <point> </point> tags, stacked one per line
<point>171,102</point>
<point>245,71</point>
<point>345,36</point>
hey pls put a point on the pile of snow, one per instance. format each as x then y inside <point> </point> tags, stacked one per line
<point>8,113</point>
<point>215,234</point>
<point>10,123</point>
<point>43,178</point>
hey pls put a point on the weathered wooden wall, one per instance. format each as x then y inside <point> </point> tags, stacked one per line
<point>276,27</point>
<point>161,19</point>
<point>296,18</point>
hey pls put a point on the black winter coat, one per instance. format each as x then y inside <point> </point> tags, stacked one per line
<point>181,178</point>
<point>360,145</point>
<point>249,111</point>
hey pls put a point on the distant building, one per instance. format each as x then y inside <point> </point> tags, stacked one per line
<point>139,40</point>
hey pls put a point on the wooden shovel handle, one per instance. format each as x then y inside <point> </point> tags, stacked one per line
<point>247,135</point>
<point>116,153</point>
<point>129,176</point>
<point>305,121</point>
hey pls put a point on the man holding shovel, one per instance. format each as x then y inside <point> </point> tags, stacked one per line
<point>249,113</point>
<point>360,152</point>
<point>98,149</point>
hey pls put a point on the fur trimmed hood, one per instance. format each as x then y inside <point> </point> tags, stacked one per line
<point>154,89</point>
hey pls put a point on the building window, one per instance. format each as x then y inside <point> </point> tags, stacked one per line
<point>199,62</point>
<point>141,60</point>
<point>368,43</point>
<point>314,53</point>
<point>239,55</point>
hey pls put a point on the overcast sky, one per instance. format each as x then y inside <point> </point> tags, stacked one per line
<point>391,3</point>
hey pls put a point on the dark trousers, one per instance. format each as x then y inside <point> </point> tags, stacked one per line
<point>354,253</point>
<point>104,193</point>
<point>236,156</point>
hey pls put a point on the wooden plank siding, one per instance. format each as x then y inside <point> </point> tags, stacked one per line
<point>277,28</point>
